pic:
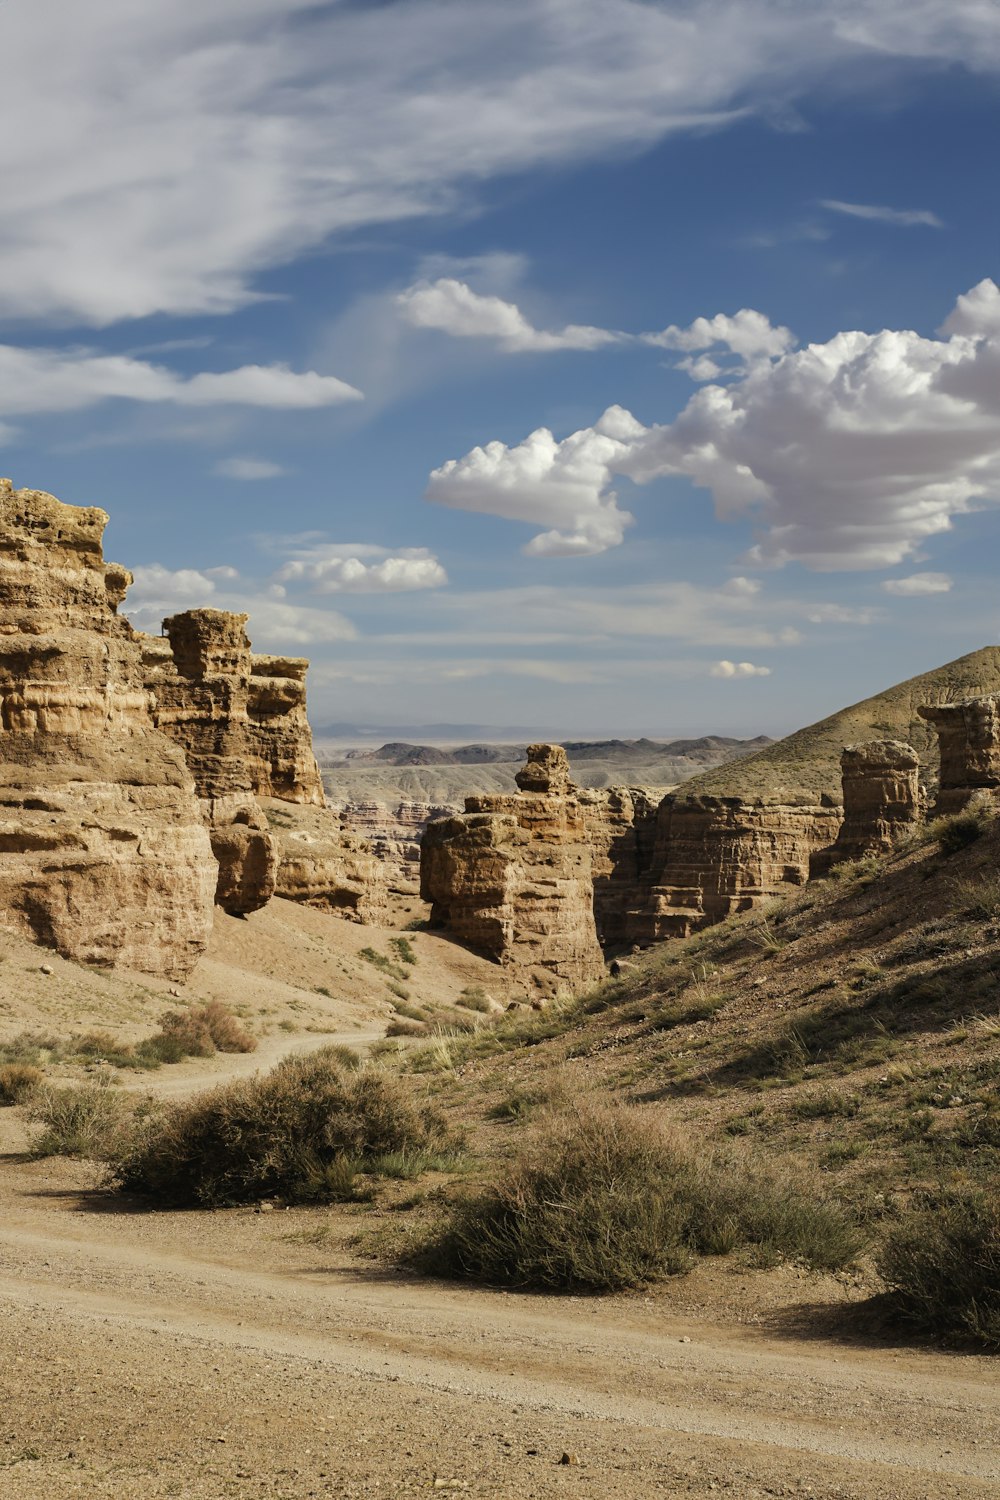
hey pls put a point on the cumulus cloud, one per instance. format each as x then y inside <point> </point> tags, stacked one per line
<point>904,218</point>
<point>918,585</point>
<point>185,587</point>
<point>51,380</point>
<point>560,485</point>
<point>222,140</point>
<point>343,568</point>
<point>158,591</point>
<point>847,454</point>
<point>730,669</point>
<point>453,307</point>
<point>747,334</point>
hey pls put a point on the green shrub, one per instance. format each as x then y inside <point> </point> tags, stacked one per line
<point>90,1121</point>
<point>941,1264</point>
<point>18,1081</point>
<point>290,1134</point>
<point>382,963</point>
<point>474,997</point>
<point>403,949</point>
<point>601,1198</point>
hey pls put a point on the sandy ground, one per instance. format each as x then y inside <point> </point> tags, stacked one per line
<point>245,1353</point>
<point>262,1353</point>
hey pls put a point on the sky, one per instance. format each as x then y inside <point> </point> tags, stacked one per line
<point>596,366</point>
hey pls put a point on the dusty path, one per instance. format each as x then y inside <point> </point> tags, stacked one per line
<point>219,1355</point>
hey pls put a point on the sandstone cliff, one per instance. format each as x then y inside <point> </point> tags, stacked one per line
<point>513,878</point>
<point>393,831</point>
<point>969,746</point>
<point>103,852</point>
<point>241,722</point>
<point>881,788</point>
<point>735,835</point>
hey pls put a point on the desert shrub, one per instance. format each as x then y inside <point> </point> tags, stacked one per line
<point>978,899</point>
<point>381,962</point>
<point>961,829</point>
<point>30,1047</point>
<point>287,1134</point>
<point>198,1032</point>
<point>18,1081</point>
<point>402,1026</point>
<point>601,1199</point>
<point>91,1121</point>
<point>941,1264</point>
<point>474,997</point>
<point>403,949</point>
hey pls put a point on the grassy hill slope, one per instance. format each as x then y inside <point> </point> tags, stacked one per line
<point>808,762</point>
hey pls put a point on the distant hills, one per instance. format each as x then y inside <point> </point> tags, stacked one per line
<point>707,750</point>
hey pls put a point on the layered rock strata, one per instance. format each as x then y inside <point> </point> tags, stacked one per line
<point>881,788</point>
<point>394,832</point>
<point>620,822</point>
<point>969,744</point>
<point>323,865</point>
<point>512,878</point>
<point>199,673</point>
<point>718,855</point>
<point>103,852</point>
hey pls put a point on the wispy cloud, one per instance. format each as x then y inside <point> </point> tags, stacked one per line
<point>453,307</point>
<point>218,141</point>
<point>905,218</point>
<point>247,468</point>
<point>918,585</point>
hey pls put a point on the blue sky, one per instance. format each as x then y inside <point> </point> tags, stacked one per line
<point>595,365</point>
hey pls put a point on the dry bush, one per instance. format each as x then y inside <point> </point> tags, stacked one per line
<point>200,1031</point>
<point>603,1198</point>
<point>18,1081</point>
<point>941,1264</point>
<point>300,1133</point>
<point>92,1121</point>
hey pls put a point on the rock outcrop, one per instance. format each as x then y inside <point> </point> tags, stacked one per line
<point>323,865</point>
<point>240,719</point>
<point>969,744</point>
<point>735,835</point>
<point>512,878</point>
<point>199,673</point>
<point>881,788</point>
<point>718,855</point>
<point>394,831</point>
<point>620,823</point>
<point>103,852</point>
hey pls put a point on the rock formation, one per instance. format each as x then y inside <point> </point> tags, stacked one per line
<point>718,855</point>
<point>621,829</point>
<point>969,741</point>
<point>103,852</point>
<point>512,877</point>
<point>735,835</point>
<point>323,865</point>
<point>881,786</point>
<point>241,721</point>
<point>394,832</point>
<point>199,674</point>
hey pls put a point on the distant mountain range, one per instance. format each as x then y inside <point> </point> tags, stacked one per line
<point>707,750</point>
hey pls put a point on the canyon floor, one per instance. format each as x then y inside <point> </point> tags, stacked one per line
<point>269,1352</point>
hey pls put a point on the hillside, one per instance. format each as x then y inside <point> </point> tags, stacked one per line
<point>807,763</point>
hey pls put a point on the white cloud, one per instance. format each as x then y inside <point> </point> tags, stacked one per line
<point>453,307</point>
<point>184,149</point>
<point>729,669</point>
<point>158,591</point>
<point>52,380</point>
<point>335,568</point>
<point>843,614</point>
<point>185,587</point>
<point>905,218</point>
<point>247,468</point>
<point>562,485</point>
<point>747,334</point>
<point>848,454</point>
<point>918,585</point>
<point>976,313</point>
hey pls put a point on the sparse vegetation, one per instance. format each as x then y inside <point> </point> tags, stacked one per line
<point>403,949</point>
<point>603,1198</point>
<point>384,964</point>
<point>303,1133</point>
<point>961,829</point>
<point>941,1264</point>
<point>18,1081</point>
<point>91,1121</point>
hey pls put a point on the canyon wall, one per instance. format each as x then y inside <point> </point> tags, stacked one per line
<point>393,831</point>
<point>512,878</point>
<point>103,852</point>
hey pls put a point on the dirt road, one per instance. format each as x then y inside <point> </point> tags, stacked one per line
<point>252,1354</point>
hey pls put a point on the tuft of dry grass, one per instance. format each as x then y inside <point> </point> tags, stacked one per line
<point>18,1081</point>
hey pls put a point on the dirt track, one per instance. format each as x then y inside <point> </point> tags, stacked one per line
<point>212,1355</point>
